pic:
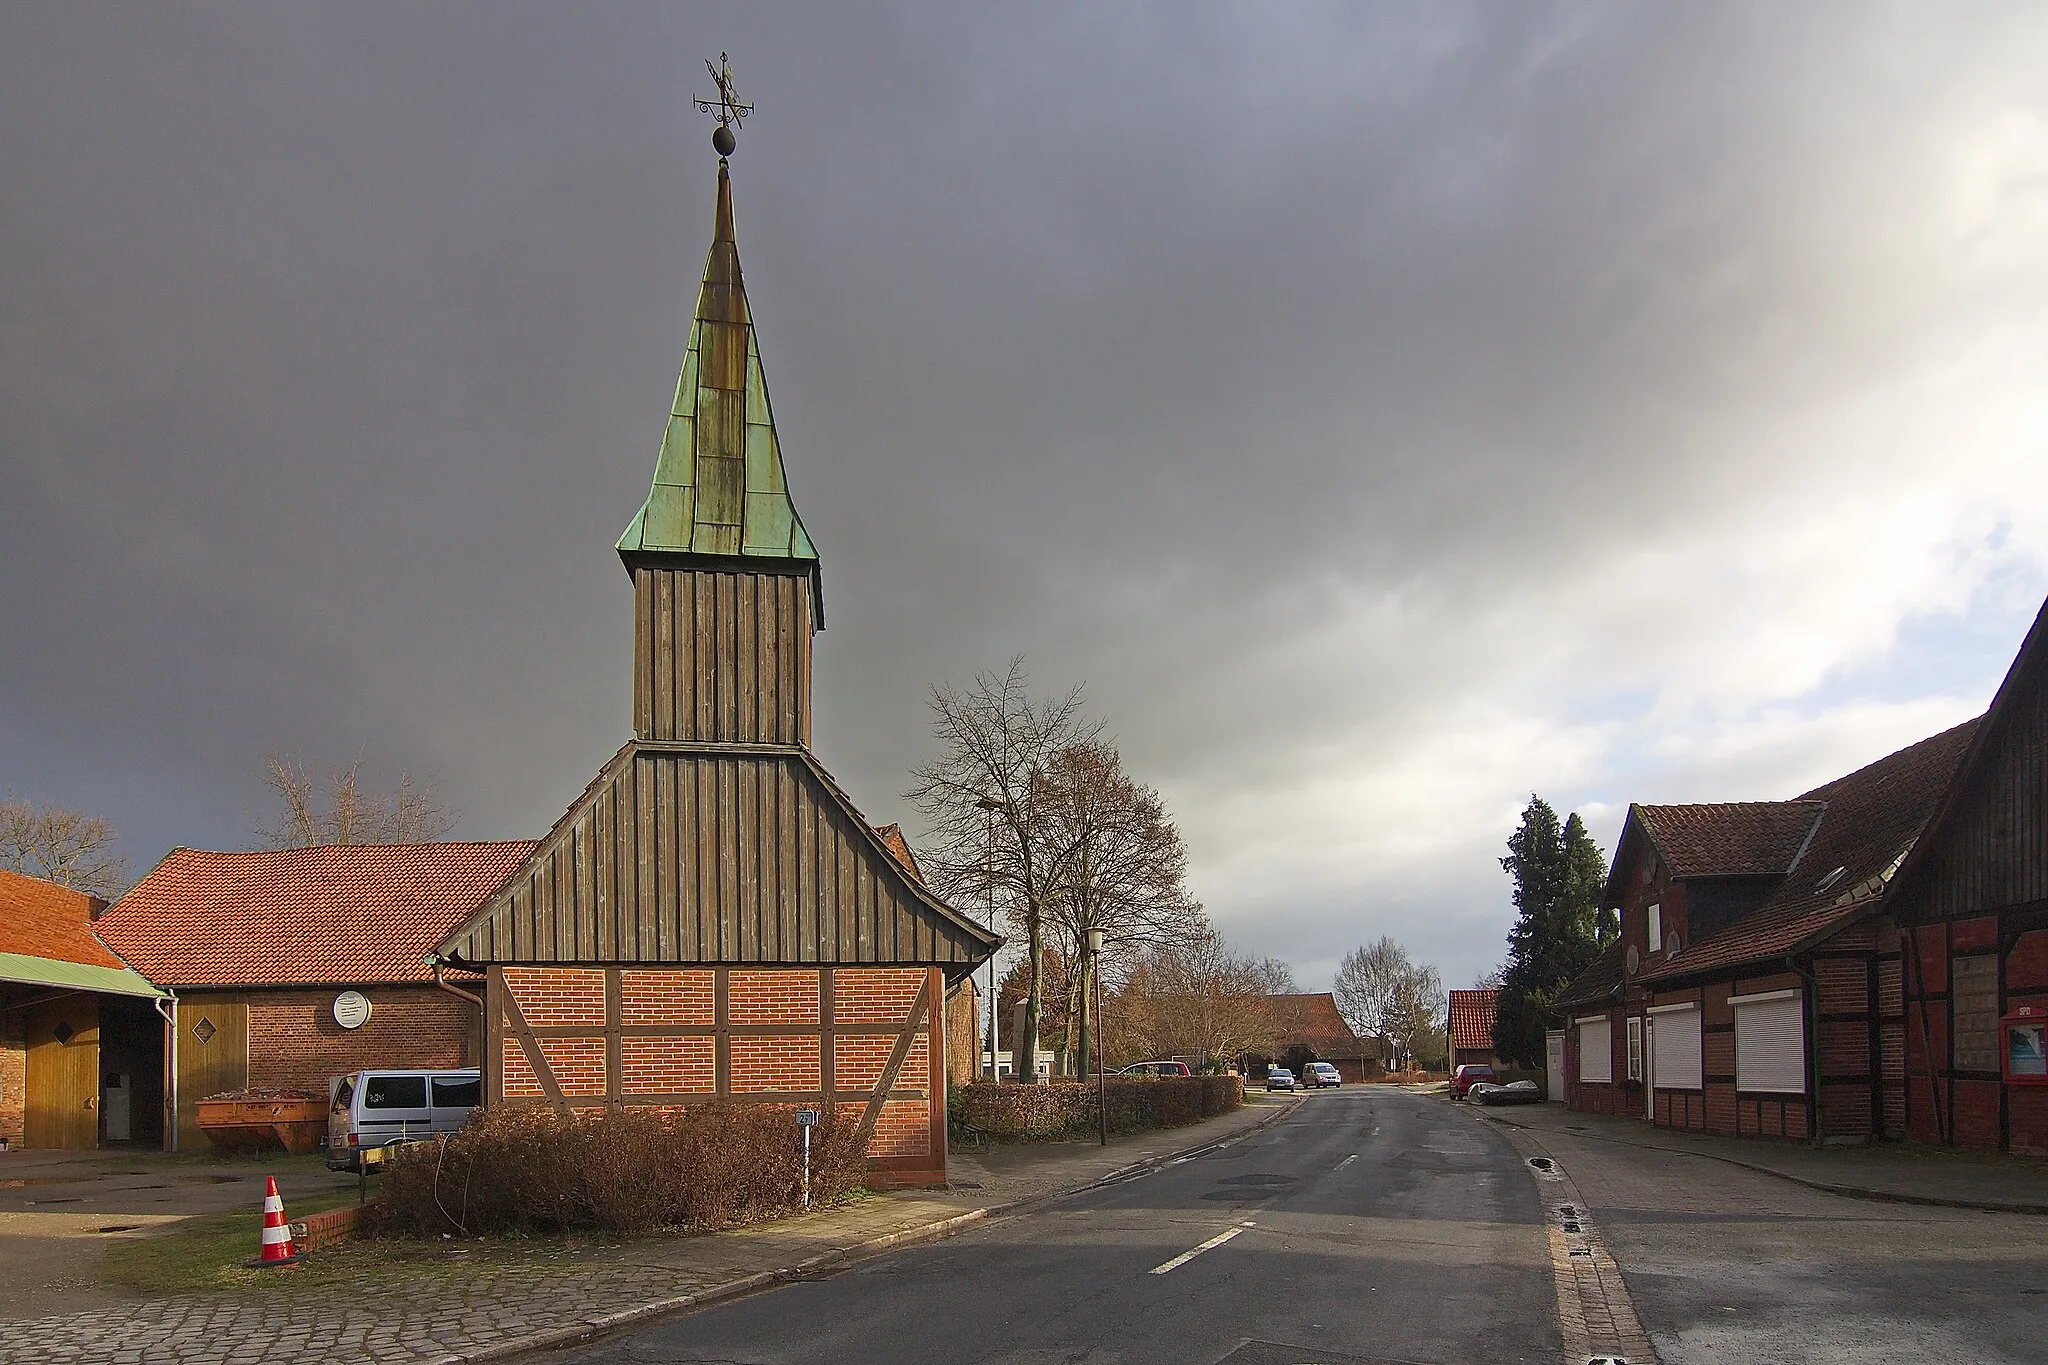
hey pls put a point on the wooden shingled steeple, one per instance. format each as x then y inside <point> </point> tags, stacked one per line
<point>715,835</point>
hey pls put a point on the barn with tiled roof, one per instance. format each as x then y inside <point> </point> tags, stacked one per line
<point>256,950</point>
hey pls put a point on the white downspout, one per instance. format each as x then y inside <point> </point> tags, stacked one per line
<point>171,1072</point>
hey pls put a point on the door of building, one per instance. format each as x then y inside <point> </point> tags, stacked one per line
<point>115,1107</point>
<point>63,1038</point>
<point>1553,1059</point>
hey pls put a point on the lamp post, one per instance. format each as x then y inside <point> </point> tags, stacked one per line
<point>1095,984</point>
<point>990,806</point>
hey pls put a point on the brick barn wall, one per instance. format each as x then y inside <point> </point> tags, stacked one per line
<point>13,1077</point>
<point>757,1057</point>
<point>294,1041</point>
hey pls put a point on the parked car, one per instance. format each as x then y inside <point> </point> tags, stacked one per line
<point>1156,1069</point>
<point>1320,1074</point>
<point>379,1108</point>
<point>1514,1092</point>
<point>1280,1078</point>
<point>1469,1075</point>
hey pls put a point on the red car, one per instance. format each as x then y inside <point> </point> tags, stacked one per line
<point>1469,1075</point>
<point>1156,1069</point>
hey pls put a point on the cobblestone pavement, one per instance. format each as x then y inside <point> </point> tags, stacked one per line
<point>471,1301</point>
<point>1727,1264</point>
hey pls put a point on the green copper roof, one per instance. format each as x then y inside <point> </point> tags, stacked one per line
<point>718,484</point>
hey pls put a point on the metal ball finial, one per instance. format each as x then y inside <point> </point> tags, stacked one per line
<point>723,140</point>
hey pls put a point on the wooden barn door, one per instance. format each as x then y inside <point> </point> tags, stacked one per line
<point>63,1073</point>
<point>213,1056</point>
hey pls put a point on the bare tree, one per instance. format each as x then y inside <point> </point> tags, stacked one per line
<point>1125,872</point>
<point>1384,995</point>
<point>1492,980</point>
<point>1415,1016</point>
<point>981,798</point>
<point>343,812</point>
<point>52,841</point>
<point>1193,998</point>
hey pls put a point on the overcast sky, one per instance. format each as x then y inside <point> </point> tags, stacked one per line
<point>1386,411</point>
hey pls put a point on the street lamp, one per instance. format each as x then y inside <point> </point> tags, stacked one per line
<point>990,806</point>
<point>1095,981</point>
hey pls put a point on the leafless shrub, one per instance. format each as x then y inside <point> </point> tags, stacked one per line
<point>530,1171</point>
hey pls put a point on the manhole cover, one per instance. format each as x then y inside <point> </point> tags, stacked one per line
<point>1541,1163</point>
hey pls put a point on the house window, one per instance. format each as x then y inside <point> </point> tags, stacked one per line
<point>1596,1051</point>
<point>1635,1047</point>
<point>1973,985</point>
<point>1656,935</point>
<point>1675,1048</point>
<point>1770,1042</point>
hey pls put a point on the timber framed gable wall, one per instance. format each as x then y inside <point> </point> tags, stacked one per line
<point>857,1041</point>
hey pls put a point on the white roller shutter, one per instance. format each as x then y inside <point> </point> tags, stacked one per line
<point>1675,1041</point>
<point>1770,1044</point>
<point>1596,1052</point>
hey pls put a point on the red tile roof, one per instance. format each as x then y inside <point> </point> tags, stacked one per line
<point>1472,1015</point>
<point>1872,818</point>
<point>899,849</point>
<point>43,919</point>
<point>1730,838</point>
<point>1312,1020</point>
<point>340,913</point>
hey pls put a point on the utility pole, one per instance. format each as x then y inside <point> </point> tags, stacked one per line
<point>990,806</point>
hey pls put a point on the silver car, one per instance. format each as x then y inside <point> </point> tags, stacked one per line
<point>377,1108</point>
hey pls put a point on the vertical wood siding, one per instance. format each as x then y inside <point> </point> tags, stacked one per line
<point>713,856</point>
<point>721,655</point>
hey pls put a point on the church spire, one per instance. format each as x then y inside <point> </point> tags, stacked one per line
<point>719,490</point>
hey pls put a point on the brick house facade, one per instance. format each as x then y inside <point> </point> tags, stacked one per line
<point>1971,908</point>
<point>1869,960</point>
<point>712,918</point>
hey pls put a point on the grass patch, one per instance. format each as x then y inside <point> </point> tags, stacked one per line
<point>209,1251</point>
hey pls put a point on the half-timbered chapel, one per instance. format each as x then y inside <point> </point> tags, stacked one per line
<point>712,916</point>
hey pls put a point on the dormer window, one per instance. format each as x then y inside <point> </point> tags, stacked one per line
<point>1656,934</point>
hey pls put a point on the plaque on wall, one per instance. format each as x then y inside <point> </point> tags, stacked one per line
<point>351,1009</point>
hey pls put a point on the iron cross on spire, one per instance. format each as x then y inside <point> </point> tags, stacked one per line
<point>727,106</point>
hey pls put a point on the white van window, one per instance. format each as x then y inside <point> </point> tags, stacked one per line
<point>457,1092</point>
<point>395,1092</point>
<point>345,1092</point>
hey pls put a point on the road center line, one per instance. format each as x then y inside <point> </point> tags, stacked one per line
<point>1347,1161</point>
<point>1218,1240</point>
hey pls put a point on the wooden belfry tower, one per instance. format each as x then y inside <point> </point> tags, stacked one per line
<point>712,917</point>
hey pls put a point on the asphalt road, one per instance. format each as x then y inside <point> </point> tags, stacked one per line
<point>1370,1225</point>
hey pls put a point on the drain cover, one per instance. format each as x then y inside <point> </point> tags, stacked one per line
<point>1541,1163</point>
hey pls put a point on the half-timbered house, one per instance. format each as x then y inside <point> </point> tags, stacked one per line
<point>712,916</point>
<point>1971,906</point>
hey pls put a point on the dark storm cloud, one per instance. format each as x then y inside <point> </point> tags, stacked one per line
<point>1342,393</point>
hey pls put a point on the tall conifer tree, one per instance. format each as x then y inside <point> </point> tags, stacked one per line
<point>1558,873</point>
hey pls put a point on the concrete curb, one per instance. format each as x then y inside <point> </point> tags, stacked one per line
<point>577,1334</point>
<point>1867,1192</point>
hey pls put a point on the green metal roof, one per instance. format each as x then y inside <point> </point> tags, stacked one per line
<point>24,970</point>
<point>718,484</point>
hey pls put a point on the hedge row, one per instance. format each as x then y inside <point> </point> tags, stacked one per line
<point>1063,1109</point>
<point>530,1170</point>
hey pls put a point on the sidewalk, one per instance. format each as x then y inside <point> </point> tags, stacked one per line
<point>468,1301</point>
<point>1899,1173</point>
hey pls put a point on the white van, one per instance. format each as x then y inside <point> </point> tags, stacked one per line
<point>378,1108</point>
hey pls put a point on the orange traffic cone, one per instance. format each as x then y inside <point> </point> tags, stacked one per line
<point>277,1234</point>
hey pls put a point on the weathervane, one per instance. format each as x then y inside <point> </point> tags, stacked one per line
<point>727,106</point>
